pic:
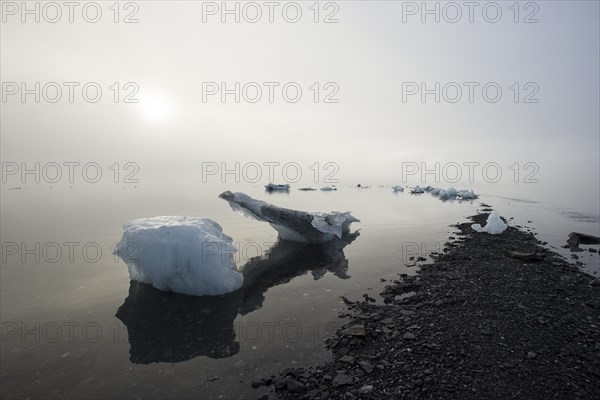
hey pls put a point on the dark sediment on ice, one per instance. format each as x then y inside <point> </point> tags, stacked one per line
<point>494,317</point>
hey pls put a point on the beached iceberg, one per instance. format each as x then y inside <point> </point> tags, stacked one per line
<point>297,226</point>
<point>494,224</point>
<point>186,255</point>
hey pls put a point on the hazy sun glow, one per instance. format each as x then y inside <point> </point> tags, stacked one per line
<point>154,107</point>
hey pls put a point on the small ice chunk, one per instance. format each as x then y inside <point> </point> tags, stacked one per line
<point>467,194</point>
<point>187,255</point>
<point>494,224</point>
<point>446,194</point>
<point>277,187</point>
<point>397,189</point>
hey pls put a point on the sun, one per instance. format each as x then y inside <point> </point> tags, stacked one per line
<point>154,107</point>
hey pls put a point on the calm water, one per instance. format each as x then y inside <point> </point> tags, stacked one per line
<point>74,326</point>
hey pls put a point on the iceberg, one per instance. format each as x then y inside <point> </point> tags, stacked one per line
<point>328,188</point>
<point>276,187</point>
<point>494,224</point>
<point>187,255</point>
<point>293,225</point>
<point>446,194</point>
<point>451,194</point>
<point>467,194</point>
<point>397,189</point>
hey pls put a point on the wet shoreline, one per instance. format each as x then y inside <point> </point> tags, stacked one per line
<point>494,316</point>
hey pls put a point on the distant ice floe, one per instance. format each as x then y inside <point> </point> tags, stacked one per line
<point>328,188</point>
<point>186,255</point>
<point>273,187</point>
<point>293,225</point>
<point>452,194</point>
<point>494,224</point>
<point>397,189</point>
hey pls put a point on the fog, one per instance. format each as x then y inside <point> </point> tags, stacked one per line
<point>511,90</point>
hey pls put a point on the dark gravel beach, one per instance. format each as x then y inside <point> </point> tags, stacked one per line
<point>493,317</point>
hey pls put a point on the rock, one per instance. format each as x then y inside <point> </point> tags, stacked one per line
<point>347,359</point>
<point>531,355</point>
<point>409,336</point>
<point>508,364</point>
<point>213,378</point>
<point>595,282</point>
<point>365,389</point>
<point>279,382</point>
<point>592,250</point>
<point>531,257</point>
<point>576,238</point>
<point>257,384</point>
<point>294,386</point>
<point>366,366</point>
<point>342,380</point>
<point>355,330</point>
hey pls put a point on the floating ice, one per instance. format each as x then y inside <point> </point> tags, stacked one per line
<point>297,226</point>
<point>467,194</point>
<point>276,187</point>
<point>328,188</point>
<point>494,224</point>
<point>417,190</point>
<point>397,188</point>
<point>186,255</point>
<point>451,193</point>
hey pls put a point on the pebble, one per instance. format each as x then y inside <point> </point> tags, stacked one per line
<point>341,380</point>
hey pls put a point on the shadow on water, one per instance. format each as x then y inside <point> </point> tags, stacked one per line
<point>171,327</point>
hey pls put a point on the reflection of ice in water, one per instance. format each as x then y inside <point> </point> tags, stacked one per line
<point>171,327</point>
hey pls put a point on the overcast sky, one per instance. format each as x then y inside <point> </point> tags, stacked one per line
<point>371,61</point>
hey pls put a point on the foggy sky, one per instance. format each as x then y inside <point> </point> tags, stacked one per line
<point>368,54</point>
